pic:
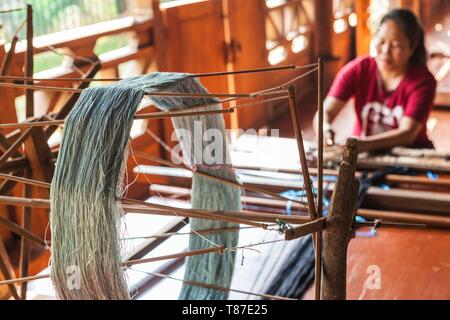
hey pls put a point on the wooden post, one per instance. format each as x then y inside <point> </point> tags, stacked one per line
<point>338,231</point>
<point>159,36</point>
<point>323,28</point>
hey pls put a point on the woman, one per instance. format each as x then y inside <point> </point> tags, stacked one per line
<point>393,92</point>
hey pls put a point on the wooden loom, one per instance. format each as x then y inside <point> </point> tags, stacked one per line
<point>35,164</point>
<point>37,130</point>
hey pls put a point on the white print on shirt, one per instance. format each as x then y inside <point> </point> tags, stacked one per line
<point>377,118</point>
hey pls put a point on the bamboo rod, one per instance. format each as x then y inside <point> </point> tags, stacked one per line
<point>153,115</point>
<point>427,219</point>
<point>306,228</point>
<point>209,74</point>
<point>185,192</point>
<point>287,83</point>
<point>318,251</point>
<point>6,63</point>
<point>15,78</point>
<point>441,181</point>
<point>12,10</point>
<point>320,142</point>
<point>15,164</point>
<point>168,211</point>
<point>7,269</point>
<point>25,180</point>
<point>155,94</point>
<point>203,231</point>
<point>215,287</point>
<point>24,279</point>
<point>301,149</point>
<point>257,70</point>
<point>253,216</point>
<point>223,180</point>
<point>233,183</point>
<point>22,232</point>
<point>13,148</point>
<point>219,249</point>
<point>203,213</point>
<point>71,100</point>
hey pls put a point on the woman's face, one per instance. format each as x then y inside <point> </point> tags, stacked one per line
<point>393,48</point>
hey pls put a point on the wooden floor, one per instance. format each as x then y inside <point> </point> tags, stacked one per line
<point>411,264</point>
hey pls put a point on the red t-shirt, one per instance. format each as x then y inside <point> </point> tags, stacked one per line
<point>377,110</point>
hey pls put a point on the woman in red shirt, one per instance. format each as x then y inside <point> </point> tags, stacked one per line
<point>393,92</point>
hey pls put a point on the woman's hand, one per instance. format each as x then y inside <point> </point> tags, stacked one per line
<point>328,138</point>
<point>331,107</point>
<point>333,152</point>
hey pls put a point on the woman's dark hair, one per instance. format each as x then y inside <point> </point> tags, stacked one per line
<point>406,20</point>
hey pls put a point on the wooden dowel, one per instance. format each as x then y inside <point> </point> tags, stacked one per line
<point>201,213</point>
<point>12,10</point>
<point>261,201</point>
<point>203,231</point>
<point>305,229</point>
<point>287,83</point>
<point>24,79</point>
<point>220,249</point>
<point>24,279</point>
<point>253,216</point>
<point>47,185</point>
<point>199,95</point>
<point>168,211</point>
<point>153,115</point>
<point>71,100</point>
<point>318,251</point>
<point>25,180</point>
<point>6,63</point>
<point>198,75</point>
<point>301,149</point>
<point>395,216</point>
<point>22,232</point>
<point>218,288</point>
<point>155,94</point>
<point>223,180</point>
<point>320,142</point>
<point>7,269</point>
<point>13,148</point>
<point>167,114</point>
<point>390,178</point>
<point>257,70</point>
<point>15,164</point>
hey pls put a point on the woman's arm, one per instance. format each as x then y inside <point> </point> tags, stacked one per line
<point>404,135</point>
<point>331,108</point>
